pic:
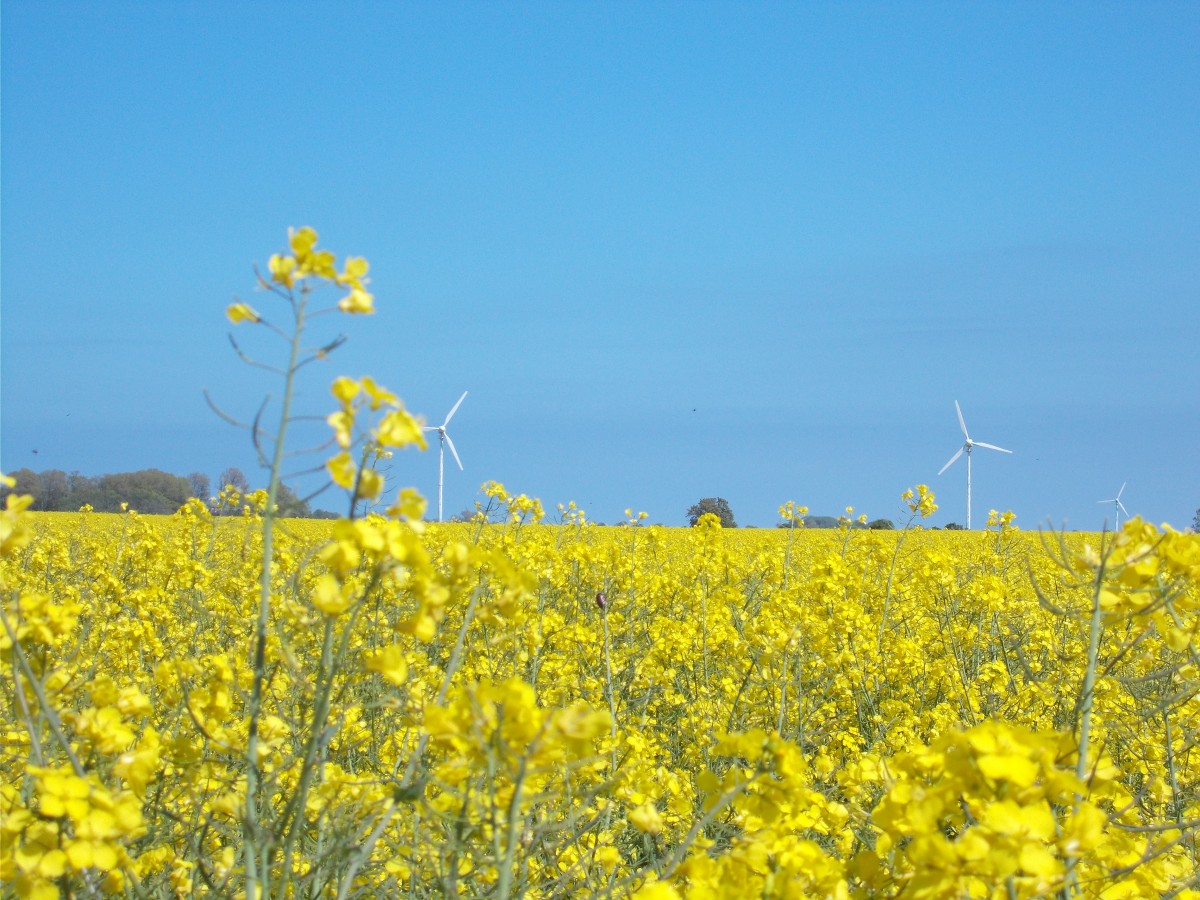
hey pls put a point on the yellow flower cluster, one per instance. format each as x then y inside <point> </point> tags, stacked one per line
<point>307,261</point>
<point>294,271</point>
<point>397,428</point>
<point>920,502</point>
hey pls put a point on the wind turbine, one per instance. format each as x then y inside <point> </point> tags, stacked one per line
<point>443,440</point>
<point>967,447</point>
<point>1118,506</point>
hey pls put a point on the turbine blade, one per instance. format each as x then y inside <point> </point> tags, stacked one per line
<point>991,447</point>
<point>952,459</point>
<point>429,428</point>
<point>961,423</point>
<point>455,452</point>
<point>454,409</point>
<point>1123,509</point>
<point>1122,490</point>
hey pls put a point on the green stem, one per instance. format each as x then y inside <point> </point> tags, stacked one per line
<point>258,885</point>
<point>410,770</point>
<point>298,804</point>
<point>612,710</point>
<point>1088,691</point>
<point>608,687</point>
<point>887,596</point>
<point>39,694</point>
<point>1086,697</point>
<point>511,831</point>
<point>787,553</point>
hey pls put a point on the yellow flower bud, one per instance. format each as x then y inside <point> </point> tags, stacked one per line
<point>646,818</point>
<point>342,470</point>
<point>242,312</point>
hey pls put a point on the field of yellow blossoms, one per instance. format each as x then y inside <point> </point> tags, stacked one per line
<point>376,707</point>
<point>567,710</point>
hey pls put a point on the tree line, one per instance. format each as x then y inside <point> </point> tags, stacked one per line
<point>149,491</point>
<point>720,508</point>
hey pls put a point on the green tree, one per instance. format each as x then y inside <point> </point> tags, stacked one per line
<point>718,506</point>
<point>85,490</point>
<point>150,491</point>
<point>882,525</point>
<point>54,490</point>
<point>26,482</point>
<point>290,505</point>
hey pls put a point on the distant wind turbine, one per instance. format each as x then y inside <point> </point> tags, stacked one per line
<point>1118,506</point>
<point>443,440</point>
<point>967,447</point>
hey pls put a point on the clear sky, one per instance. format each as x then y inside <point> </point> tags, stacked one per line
<point>673,250</point>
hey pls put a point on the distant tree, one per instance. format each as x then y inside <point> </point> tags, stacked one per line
<point>290,505</point>
<point>54,490</point>
<point>882,525</point>
<point>82,490</point>
<point>201,486</point>
<point>953,526</point>
<point>26,482</point>
<point>150,491</point>
<point>718,506</point>
<point>1196,522</point>
<point>231,477</point>
<point>235,477</point>
<point>51,489</point>
<point>820,522</point>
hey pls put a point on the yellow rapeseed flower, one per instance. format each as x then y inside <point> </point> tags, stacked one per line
<point>242,312</point>
<point>390,663</point>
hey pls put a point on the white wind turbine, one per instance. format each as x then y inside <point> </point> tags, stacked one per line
<point>967,447</point>
<point>1118,506</point>
<point>443,440</point>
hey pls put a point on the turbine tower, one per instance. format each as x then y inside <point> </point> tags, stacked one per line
<point>443,440</point>
<point>967,447</point>
<point>1118,506</point>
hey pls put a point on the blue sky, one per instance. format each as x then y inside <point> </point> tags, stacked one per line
<point>673,250</point>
